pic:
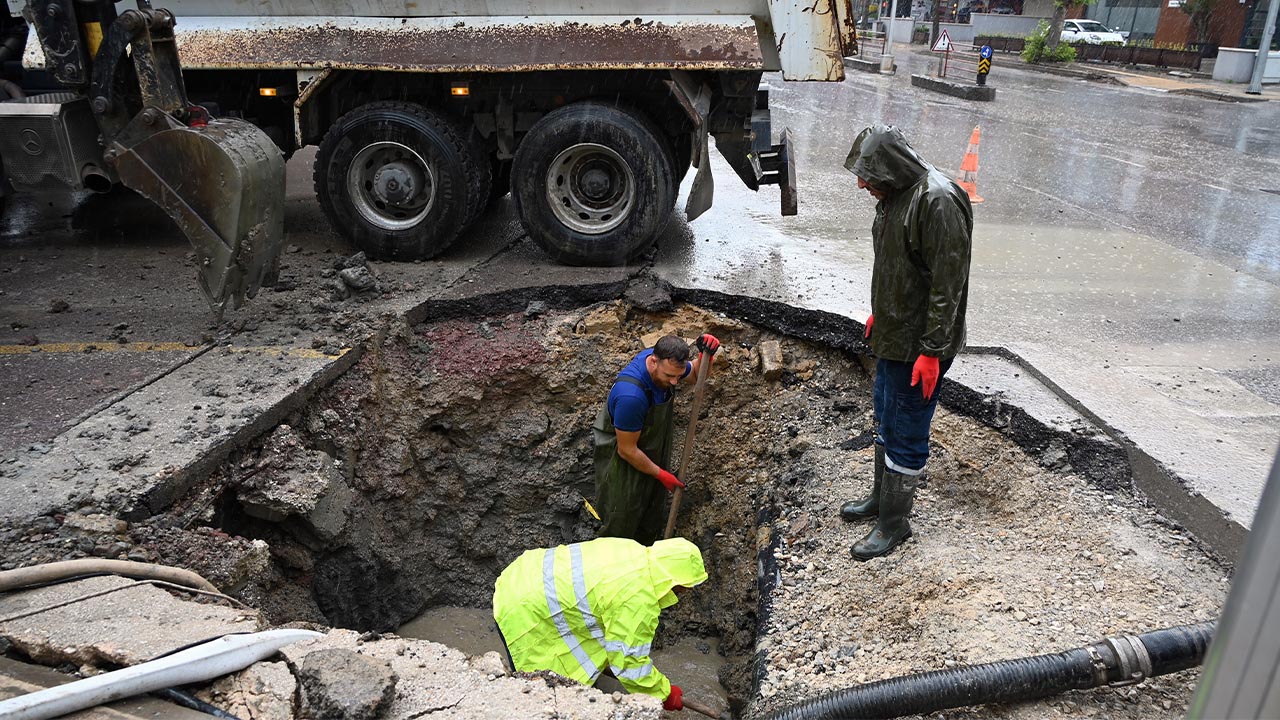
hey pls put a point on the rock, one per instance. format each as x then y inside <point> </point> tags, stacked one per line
<point>535,308</point>
<point>359,279</point>
<point>605,319</point>
<point>650,339</point>
<point>344,685</point>
<point>357,260</point>
<point>770,359</point>
<point>650,294</point>
<point>58,305</point>
<point>263,691</point>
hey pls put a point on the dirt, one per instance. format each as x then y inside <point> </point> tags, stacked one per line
<point>466,441</point>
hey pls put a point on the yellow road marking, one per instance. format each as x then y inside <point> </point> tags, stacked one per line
<point>82,347</point>
<point>145,347</point>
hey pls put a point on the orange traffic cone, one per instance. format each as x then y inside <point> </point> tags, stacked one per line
<point>969,168</point>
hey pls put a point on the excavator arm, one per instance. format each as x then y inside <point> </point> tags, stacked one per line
<point>221,180</point>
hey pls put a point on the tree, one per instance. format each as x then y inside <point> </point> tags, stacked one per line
<point>1199,11</point>
<point>1060,8</point>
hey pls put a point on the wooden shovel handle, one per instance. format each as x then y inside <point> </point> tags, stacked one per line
<point>699,392</point>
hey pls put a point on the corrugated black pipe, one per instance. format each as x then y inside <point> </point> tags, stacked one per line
<point>1115,661</point>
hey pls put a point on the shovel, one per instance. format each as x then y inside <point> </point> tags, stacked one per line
<point>704,709</point>
<point>699,392</point>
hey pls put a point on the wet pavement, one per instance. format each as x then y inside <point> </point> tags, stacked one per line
<point>1127,249</point>
<point>1127,252</point>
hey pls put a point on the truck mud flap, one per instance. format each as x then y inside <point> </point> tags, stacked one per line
<point>223,184</point>
<point>778,167</point>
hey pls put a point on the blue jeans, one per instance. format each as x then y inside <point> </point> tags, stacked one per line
<point>903,415</point>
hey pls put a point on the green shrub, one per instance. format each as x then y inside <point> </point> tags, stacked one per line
<point>1037,48</point>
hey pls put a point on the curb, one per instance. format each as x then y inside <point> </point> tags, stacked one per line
<point>946,87</point>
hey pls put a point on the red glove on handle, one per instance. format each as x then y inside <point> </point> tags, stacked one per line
<point>871,319</point>
<point>674,701</point>
<point>669,481</point>
<point>707,344</point>
<point>925,372</point>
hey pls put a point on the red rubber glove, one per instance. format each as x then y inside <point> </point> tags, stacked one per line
<point>871,319</point>
<point>925,372</point>
<point>669,481</point>
<point>707,344</point>
<point>674,701</point>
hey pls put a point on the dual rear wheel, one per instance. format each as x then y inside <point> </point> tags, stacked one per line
<point>593,184</point>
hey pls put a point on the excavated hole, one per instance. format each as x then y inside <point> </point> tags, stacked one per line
<point>452,447</point>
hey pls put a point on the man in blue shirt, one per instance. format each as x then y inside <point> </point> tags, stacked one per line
<point>632,438</point>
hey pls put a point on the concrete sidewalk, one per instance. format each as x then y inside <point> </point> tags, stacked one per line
<point>1156,79</point>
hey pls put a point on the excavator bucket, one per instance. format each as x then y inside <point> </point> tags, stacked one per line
<point>223,184</point>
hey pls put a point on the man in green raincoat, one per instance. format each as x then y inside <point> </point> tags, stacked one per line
<point>922,237</point>
<point>578,610</point>
<point>632,439</point>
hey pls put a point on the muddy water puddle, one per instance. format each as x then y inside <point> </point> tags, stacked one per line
<point>693,663</point>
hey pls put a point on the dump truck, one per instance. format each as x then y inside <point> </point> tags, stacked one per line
<point>423,113</point>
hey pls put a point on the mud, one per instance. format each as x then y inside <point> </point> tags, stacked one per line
<point>457,442</point>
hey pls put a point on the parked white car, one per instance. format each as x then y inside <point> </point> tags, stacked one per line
<point>1091,32</point>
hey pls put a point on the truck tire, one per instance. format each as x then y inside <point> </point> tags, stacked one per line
<point>397,180</point>
<point>593,184</point>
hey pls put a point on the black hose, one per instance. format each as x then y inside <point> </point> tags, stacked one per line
<point>1122,660</point>
<point>191,702</point>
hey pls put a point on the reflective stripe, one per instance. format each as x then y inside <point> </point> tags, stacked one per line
<point>557,615</point>
<point>588,618</point>
<point>889,463</point>
<point>617,646</point>
<point>634,673</point>
<point>580,590</point>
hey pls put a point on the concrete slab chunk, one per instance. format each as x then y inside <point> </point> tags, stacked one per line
<point>50,625</point>
<point>340,684</point>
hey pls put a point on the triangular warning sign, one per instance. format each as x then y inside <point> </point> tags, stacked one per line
<point>943,43</point>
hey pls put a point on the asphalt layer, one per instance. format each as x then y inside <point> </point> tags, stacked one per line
<point>1126,265</point>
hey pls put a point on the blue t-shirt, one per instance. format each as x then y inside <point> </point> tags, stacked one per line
<point>628,404</point>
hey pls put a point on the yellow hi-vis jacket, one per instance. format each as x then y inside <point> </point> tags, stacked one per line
<point>578,609</point>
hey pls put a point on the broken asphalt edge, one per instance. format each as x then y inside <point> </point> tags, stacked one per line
<point>1108,459</point>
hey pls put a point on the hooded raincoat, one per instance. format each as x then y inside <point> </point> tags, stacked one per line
<point>922,239</point>
<point>578,609</point>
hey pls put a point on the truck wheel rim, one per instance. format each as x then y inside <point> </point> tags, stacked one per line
<point>390,185</point>
<point>590,188</point>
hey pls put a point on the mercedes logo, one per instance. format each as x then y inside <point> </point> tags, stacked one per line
<point>31,142</point>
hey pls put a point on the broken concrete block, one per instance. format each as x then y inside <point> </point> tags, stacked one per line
<point>263,691</point>
<point>770,359</point>
<point>297,481</point>
<point>343,685</point>
<point>607,319</point>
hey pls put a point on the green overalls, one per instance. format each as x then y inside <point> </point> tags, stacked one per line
<point>631,504</point>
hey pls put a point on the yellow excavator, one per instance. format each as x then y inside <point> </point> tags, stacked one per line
<point>123,117</point>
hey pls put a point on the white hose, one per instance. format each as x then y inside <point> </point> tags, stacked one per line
<point>205,661</point>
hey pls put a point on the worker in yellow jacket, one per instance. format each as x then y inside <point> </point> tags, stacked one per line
<point>578,610</point>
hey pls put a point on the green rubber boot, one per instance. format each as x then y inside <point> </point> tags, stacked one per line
<point>869,506</point>
<point>896,498</point>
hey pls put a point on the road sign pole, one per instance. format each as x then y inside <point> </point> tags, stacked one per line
<point>984,64</point>
<point>886,58</point>
<point>1264,47</point>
